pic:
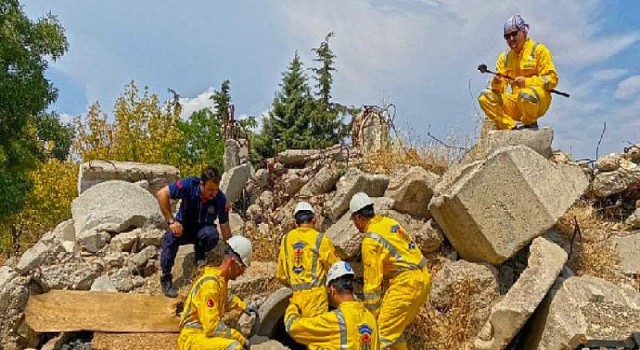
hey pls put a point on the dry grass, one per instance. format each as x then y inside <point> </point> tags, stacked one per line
<point>446,329</point>
<point>266,245</point>
<point>141,341</point>
<point>432,157</point>
<point>592,251</point>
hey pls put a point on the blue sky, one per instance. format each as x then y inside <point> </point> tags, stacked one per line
<point>420,55</point>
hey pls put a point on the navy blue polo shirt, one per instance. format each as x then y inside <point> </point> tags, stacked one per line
<point>193,212</point>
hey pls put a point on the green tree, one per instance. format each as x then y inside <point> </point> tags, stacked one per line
<point>25,46</point>
<point>203,140</point>
<point>328,128</point>
<point>288,123</point>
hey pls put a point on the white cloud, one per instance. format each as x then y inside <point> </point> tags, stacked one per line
<point>202,101</point>
<point>609,74</point>
<point>628,88</point>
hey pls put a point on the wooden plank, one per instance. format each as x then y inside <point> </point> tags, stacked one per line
<point>69,311</point>
<point>138,341</point>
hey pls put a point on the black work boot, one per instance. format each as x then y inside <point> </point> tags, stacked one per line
<point>534,126</point>
<point>166,281</point>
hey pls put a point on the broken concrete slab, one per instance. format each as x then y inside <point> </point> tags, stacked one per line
<point>236,224</point>
<point>322,182</point>
<point>345,237</point>
<point>545,262</point>
<point>233,181</point>
<point>76,276</point>
<point>115,206</point>
<point>92,240</point>
<point>538,140</point>
<point>613,182</point>
<point>584,308</point>
<point>126,241</point>
<point>497,208</point>
<point>298,157</point>
<point>231,154</point>
<point>412,191</point>
<point>151,236</point>
<point>14,294</point>
<point>609,162</point>
<point>35,256</point>
<point>627,249</point>
<point>356,181</point>
<point>634,219</point>
<point>97,171</point>
<point>103,284</point>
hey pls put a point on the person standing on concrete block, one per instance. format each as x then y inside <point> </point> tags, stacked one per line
<point>390,254</point>
<point>534,75</point>
<point>304,259</point>
<point>202,203</point>
<point>201,325</point>
<point>349,326</point>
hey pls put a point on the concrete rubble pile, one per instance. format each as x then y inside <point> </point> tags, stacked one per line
<point>492,208</point>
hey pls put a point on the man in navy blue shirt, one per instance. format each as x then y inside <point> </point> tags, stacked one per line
<point>202,202</point>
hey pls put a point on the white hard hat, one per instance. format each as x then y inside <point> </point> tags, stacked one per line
<point>339,269</point>
<point>302,206</point>
<point>241,246</point>
<point>359,201</point>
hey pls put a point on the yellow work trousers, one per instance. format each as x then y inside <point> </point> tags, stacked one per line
<point>526,105</point>
<point>194,339</point>
<point>312,302</point>
<point>400,305</point>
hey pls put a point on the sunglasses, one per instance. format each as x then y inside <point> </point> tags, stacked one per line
<point>511,35</point>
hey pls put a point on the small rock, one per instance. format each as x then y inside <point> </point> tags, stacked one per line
<point>140,259</point>
<point>124,242</point>
<point>609,162</point>
<point>151,237</point>
<point>103,284</point>
<point>92,240</point>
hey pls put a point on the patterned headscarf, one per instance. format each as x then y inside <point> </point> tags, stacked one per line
<point>515,22</point>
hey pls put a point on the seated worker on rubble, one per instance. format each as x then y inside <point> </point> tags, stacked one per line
<point>202,202</point>
<point>349,326</point>
<point>534,75</point>
<point>304,258</point>
<point>201,325</point>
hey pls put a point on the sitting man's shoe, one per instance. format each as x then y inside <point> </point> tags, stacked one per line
<point>534,126</point>
<point>201,263</point>
<point>166,282</point>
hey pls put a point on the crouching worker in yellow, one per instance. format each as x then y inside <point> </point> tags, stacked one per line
<point>390,254</point>
<point>350,326</point>
<point>304,258</point>
<point>201,325</point>
<point>534,75</point>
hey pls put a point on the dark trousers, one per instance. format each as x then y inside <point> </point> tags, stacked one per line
<point>204,239</point>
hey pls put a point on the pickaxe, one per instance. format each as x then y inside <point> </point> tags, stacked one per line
<point>483,69</point>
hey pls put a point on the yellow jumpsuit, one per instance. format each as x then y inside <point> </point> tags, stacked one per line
<point>201,325</point>
<point>390,254</point>
<point>525,104</point>
<point>304,259</point>
<point>350,326</point>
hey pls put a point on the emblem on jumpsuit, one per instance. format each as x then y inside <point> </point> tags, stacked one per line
<point>365,336</point>
<point>298,252</point>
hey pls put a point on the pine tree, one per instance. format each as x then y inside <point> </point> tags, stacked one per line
<point>288,125</point>
<point>326,117</point>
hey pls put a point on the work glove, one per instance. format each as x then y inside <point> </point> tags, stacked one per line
<point>251,309</point>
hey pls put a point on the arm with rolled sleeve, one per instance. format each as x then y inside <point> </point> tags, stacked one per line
<point>547,76</point>
<point>372,253</point>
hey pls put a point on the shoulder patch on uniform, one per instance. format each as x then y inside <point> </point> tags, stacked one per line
<point>365,336</point>
<point>179,184</point>
<point>395,228</point>
<point>210,303</point>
